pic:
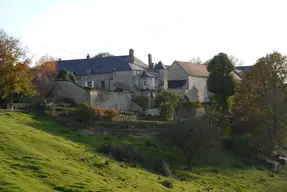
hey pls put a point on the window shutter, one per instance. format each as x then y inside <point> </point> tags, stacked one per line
<point>93,84</point>
<point>86,84</point>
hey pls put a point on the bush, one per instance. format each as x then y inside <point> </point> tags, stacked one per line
<point>166,111</point>
<point>99,112</point>
<point>167,184</point>
<point>66,76</point>
<point>141,101</point>
<point>124,153</point>
<point>84,113</point>
<point>110,114</point>
<point>162,167</point>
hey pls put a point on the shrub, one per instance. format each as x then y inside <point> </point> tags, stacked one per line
<point>167,184</point>
<point>150,144</point>
<point>124,153</point>
<point>162,167</point>
<point>187,104</point>
<point>110,114</point>
<point>167,96</point>
<point>141,101</point>
<point>84,113</point>
<point>166,111</point>
<point>99,112</point>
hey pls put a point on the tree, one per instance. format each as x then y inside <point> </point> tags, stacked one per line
<point>235,60</point>
<point>45,71</point>
<point>15,75</point>
<point>104,54</point>
<point>192,136</point>
<point>196,60</point>
<point>220,81</point>
<point>66,76</point>
<point>167,96</point>
<point>262,103</point>
<point>166,110</point>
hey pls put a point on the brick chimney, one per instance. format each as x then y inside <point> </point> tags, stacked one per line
<point>132,55</point>
<point>150,63</point>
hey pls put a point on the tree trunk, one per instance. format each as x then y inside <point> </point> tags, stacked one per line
<point>188,162</point>
<point>11,103</point>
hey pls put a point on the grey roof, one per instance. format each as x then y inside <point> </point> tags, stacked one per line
<point>160,65</point>
<point>101,65</point>
<point>200,70</point>
<point>244,68</point>
<point>147,74</point>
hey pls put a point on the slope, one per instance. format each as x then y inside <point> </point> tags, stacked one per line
<point>37,154</point>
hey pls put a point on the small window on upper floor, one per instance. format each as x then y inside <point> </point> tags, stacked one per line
<point>144,82</point>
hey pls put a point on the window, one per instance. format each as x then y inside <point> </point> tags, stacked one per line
<point>144,82</point>
<point>89,84</point>
<point>103,85</point>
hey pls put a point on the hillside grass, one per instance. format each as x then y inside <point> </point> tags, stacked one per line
<point>38,154</point>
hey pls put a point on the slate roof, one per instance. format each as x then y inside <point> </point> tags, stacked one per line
<point>147,74</point>
<point>244,68</point>
<point>101,65</point>
<point>200,70</point>
<point>159,66</point>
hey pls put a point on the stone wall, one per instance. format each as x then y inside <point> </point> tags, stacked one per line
<point>140,128</point>
<point>68,89</point>
<point>111,99</point>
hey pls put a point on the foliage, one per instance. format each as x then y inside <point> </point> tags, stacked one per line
<point>167,184</point>
<point>191,106</point>
<point>72,77</point>
<point>45,72</point>
<point>167,96</point>
<point>15,75</point>
<point>104,54</point>
<point>193,135</point>
<point>141,101</point>
<point>66,76</point>
<point>262,103</point>
<point>166,110</point>
<point>220,81</point>
<point>110,114</point>
<point>125,153</point>
<point>162,167</point>
<point>38,154</point>
<point>84,113</point>
<point>100,111</point>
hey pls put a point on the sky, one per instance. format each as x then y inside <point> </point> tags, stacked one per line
<point>168,29</point>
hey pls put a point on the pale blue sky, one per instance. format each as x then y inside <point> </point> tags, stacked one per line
<point>168,29</point>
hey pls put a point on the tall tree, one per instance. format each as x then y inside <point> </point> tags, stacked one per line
<point>104,54</point>
<point>220,81</point>
<point>15,75</point>
<point>45,71</point>
<point>262,102</point>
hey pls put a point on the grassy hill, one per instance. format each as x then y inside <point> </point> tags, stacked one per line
<point>37,154</point>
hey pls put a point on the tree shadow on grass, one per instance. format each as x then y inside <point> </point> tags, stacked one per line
<point>93,142</point>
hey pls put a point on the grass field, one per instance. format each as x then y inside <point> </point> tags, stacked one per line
<point>37,154</point>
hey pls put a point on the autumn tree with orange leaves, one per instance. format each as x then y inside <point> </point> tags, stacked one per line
<point>45,73</point>
<point>15,75</point>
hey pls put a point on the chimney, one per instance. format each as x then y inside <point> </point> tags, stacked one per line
<point>132,56</point>
<point>150,63</point>
<point>88,56</point>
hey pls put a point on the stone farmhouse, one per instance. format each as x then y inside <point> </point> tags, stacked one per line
<point>117,79</point>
